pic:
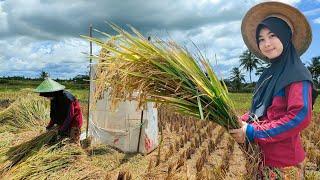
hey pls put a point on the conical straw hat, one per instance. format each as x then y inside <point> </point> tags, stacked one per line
<point>49,85</point>
<point>301,31</point>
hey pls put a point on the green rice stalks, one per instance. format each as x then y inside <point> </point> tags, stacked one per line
<point>131,67</point>
<point>21,152</point>
<point>27,112</point>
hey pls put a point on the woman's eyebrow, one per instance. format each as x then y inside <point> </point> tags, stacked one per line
<point>267,33</point>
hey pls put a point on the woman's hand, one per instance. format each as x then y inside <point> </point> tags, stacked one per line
<point>239,135</point>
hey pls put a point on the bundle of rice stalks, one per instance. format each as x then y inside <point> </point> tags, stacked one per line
<point>27,112</point>
<point>60,161</point>
<point>23,151</point>
<point>10,139</point>
<point>131,67</point>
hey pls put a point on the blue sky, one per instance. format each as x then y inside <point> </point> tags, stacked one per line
<point>44,35</point>
<point>311,9</point>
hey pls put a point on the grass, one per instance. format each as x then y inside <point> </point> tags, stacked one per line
<point>81,94</point>
<point>242,101</point>
<point>316,107</point>
<point>17,85</point>
<point>10,91</point>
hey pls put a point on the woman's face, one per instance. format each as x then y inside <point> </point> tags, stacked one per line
<point>269,44</point>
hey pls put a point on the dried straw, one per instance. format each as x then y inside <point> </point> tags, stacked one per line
<point>131,67</point>
<point>27,112</point>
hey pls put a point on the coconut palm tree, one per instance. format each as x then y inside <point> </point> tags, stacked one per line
<point>264,65</point>
<point>43,75</point>
<point>237,77</point>
<point>249,61</point>
<point>314,68</point>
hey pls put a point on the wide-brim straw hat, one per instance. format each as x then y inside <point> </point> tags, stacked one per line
<point>49,85</point>
<point>301,31</point>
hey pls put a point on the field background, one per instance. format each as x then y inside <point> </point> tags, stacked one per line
<point>191,149</point>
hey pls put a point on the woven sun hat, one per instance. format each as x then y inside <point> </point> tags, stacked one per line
<point>301,31</point>
<point>49,85</point>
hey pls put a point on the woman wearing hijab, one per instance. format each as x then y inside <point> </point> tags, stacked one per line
<point>283,97</point>
<point>65,111</point>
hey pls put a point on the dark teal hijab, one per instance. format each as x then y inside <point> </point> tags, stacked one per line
<point>284,70</point>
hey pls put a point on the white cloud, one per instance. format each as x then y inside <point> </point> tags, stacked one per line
<point>312,12</point>
<point>317,20</point>
<point>44,35</point>
<point>55,19</point>
<point>59,58</point>
<point>292,2</point>
<point>3,19</point>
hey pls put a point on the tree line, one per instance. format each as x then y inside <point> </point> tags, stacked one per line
<point>20,82</point>
<point>250,63</point>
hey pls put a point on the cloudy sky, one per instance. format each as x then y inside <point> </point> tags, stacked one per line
<point>44,35</point>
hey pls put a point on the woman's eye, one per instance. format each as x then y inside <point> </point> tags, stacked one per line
<point>273,35</point>
<point>260,40</point>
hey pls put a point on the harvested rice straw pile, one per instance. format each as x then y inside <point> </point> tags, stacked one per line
<point>112,161</point>
<point>5,141</point>
<point>23,151</point>
<point>60,161</point>
<point>12,95</point>
<point>10,139</point>
<point>27,112</point>
<point>131,67</point>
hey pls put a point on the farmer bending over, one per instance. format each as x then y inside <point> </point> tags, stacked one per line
<point>65,111</point>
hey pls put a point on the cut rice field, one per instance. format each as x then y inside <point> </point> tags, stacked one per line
<point>190,148</point>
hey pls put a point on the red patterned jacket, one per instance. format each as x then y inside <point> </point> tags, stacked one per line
<point>65,112</point>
